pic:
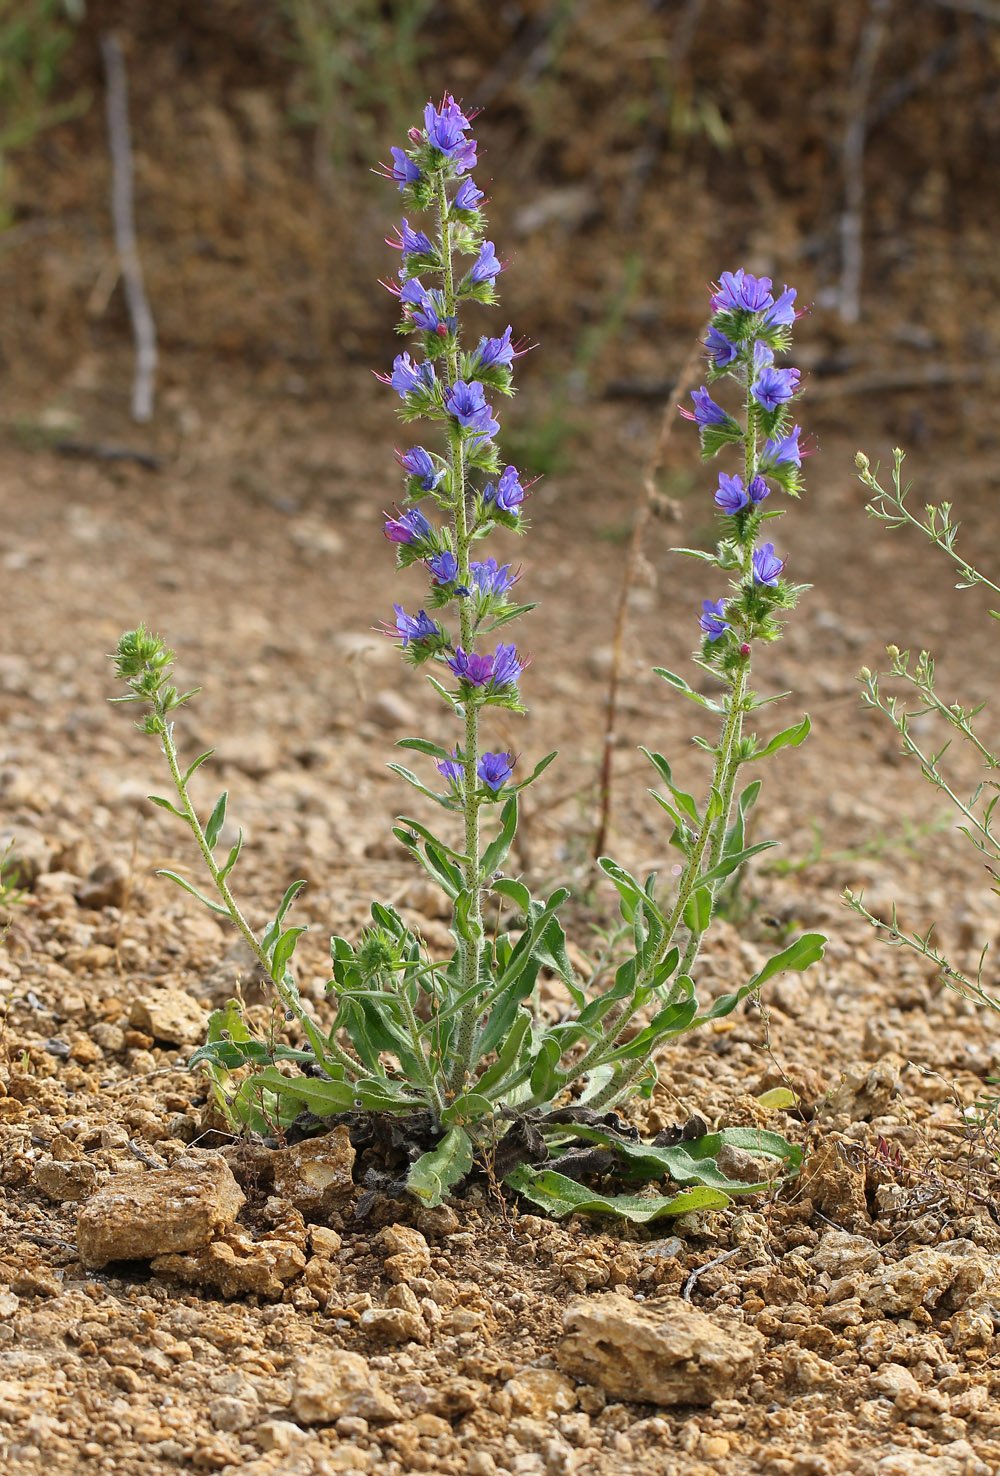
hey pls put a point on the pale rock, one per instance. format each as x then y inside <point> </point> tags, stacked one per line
<point>9,1303</point>
<point>65,1182</point>
<point>227,1413</point>
<point>540,1393</point>
<point>394,1324</point>
<point>893,1379</point>
<point>170,1016</point>
<point>253,754</point>
<point>864,1091</point>
<point>237,1265</point>
<point>138,1216</point>
<point>663,1353</point>
<point>331,1382</point>
<point>316,1174</point>
<point>840,1254</point>
<point>407,1253</point>
<point>106,886</point>
<point>324,1242</point>
<point>926,1278</point>
<point>280,1435</point>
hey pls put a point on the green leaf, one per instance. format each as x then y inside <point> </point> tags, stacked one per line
<point>628,889</point>
<point>186,886</point>
<point>230,1055</point>
<point>800,955</point>
<point>216,820</point>
<point>435,1172</point>
<point>730,862</point>
<point>680,685</point>
<point>428,835</point>
<point>424,745</point>
<point>201,759</point>
<point>227,1023</point>
<point>514,891</point>
<point>469,1107</point>
<point>496,852</point>
<point>695,1162</point>
<point>787,738</point>
<point>697,553</point>
<point>778,1099</point>
<point>282,953</point>
<point>165,804</point>
<point>539,768</point>
<point>698,910</point>
<point>322,1098</point>
<point>233,857</point>
<point>560,1196</point>
<point>507,1057</point>
<point>684,800</point>
<point>419,785</point>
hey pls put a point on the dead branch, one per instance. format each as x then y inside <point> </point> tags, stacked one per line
<point>123,219</point>
<point>852,158</point>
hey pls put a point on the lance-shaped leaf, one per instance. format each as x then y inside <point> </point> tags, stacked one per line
<point>434,1173</point>
<point>680,685</point>
<point>194,892</point>
<point>800,955</point>
<point>165,804</point>
<point>216,820</point>
<point>787,738</point>
<point>560,1196</point>
<point>496,852</point>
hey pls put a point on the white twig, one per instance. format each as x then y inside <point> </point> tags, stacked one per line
<point>123,217</point>
<point>852,157</point>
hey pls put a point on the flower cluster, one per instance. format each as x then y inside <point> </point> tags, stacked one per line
<point>750,326</point>
<point>444,264</point>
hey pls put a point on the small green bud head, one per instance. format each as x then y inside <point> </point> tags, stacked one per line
<point>377,954</point>
<point>139,653</point>
<point>892,652</point>
<point>861,462</point>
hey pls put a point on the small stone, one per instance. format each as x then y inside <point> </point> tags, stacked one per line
<point>316,1174</point>
<point>394,1325</point>
<point>893,1379</point>
<point>9,1303</point>
<point>138,1216</point>
<point>106,886</point>
<point>840,1254</point>
<point>835,1182</point>
<point>331,1382</point>
<point>65,1182</point>
<point>389,710</point>
<point>170,1016</point>
<point>663,1353</point>
<point>253,754</point>
<point>864,1091</point>
<point>30,856</point>
<point>324,1242</point>
<point>227,1413</point>
<point>237,1265</point>
<point>540,1393</point>
<point>280,1435</point>
<point>408,1255</point>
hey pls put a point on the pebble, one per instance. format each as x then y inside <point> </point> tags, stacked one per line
<point>329,1383</point>
<point>138,1216</point>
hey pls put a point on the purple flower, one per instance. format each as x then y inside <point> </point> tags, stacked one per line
<point>407,378</point>
<point>494,769</point>
<point>711,620</point>
<point>443,566</point>
<point>490,351</point>
<point>740,292</point>
<point>412,627</point>
<point>732,495</point>
<point>467,402</point>
<point>706,411</point>
<point>446,125</point>
<point>492,578</point>
<point>464,157</point>
<point>784,451</point>
<point>452,769</point>
<point>486,266</point>
<point>767,566</point>
<point>409,527</point>
<point>782,314</point>
<point>763,355</point>
<point>417,463</point>
<point>758,490</point>
<point>428,313</point>
<point>468,195</point>
<point>774,387</point>
<point>507,493</point>
<point>472,667</point>
<point>721,350</point>
<point>411,243</point>
<point>403,170</point>
<point>506,666</point>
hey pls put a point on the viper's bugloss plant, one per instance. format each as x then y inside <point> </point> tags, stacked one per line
<point>917,677</point>
<point>451,1044</point>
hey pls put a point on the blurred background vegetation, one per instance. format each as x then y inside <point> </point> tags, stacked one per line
<point>638,147</point>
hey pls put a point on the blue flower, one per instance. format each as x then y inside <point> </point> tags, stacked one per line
<point>443,566</point>
<point>774,387</point>
<point>486,265</point>
<point>732,495</point>
<point>494,769</point>
<point>452,768</point>
<point>782,314</point>
<point>472,667</point>
<point>740,292</point>
<point>407,378</point>
<point>492,578</point>
<point>446,126</point>
<point>490,351</point>
<point>468,195</point>
<point>427,308</point>
<point>411,243</point>
<point>409,527</point>
<point>767,566</point>
<point>784,451</point>
<point>418,463</point>
<point>412,627</point>
<point>467,403</point>
<point>721,350</point>
<point>403,170</point>
<point>711,620</point>
<point>507,667</point>
<point>758,490</point>
<point>507,493</point>
<point>706,411</point>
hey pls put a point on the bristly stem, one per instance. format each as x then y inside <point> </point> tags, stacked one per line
<point>472,945</point>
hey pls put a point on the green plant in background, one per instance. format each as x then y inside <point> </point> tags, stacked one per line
<point>976,811</point>
<point>356,58</point>
<point>35,36</point>
<point>452,1045</point>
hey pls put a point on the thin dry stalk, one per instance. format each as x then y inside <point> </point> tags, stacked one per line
<point>686,379</point>
<point>852,158</point>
